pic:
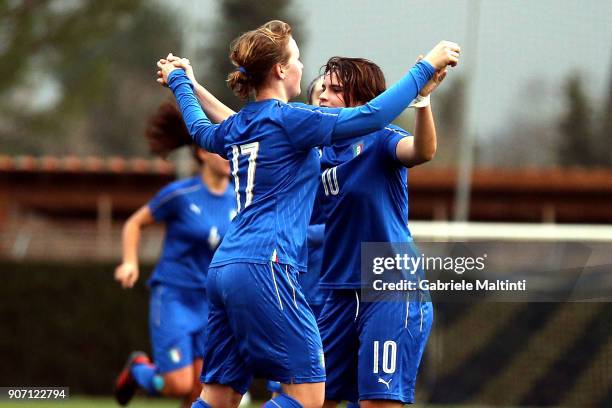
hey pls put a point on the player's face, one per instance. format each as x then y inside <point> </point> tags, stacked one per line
<point>217,164</point>
<point>317,90</point>
<point>293,70</point>
<point>333,93</point>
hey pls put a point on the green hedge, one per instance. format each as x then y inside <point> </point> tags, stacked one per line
<point>72,325</point>
<point>68,325</point>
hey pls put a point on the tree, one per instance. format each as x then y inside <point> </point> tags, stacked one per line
<point>576,145</point>
<point>604,138</point>
<point>44,29</point>
<point>98,59</point>
<point>529,136</point>
<point>236,19</point>
<point>449,114</point>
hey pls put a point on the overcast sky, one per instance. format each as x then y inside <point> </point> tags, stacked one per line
<point>519,49</point>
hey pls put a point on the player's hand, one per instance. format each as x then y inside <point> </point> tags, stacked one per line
<point>185,64</point>
<point>434,82</point>
<point>178,62</point>
<point>165,68</point>
<point>126,274</point>
<point>443,54</point>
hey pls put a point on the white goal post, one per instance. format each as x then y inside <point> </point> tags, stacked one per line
<point>468,231</point>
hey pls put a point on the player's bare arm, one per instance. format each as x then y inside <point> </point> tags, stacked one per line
<point>127,273</point>
<point>421,148</point>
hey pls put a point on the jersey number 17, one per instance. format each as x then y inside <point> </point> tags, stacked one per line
<point>250,150</point>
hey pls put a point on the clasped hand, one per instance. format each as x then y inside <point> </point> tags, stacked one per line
<point>170,63</point>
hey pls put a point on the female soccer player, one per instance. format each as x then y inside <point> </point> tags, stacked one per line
<point>309,279</point>
<point>196,213</point>
<point>372,348</point>
<point>259,321</point>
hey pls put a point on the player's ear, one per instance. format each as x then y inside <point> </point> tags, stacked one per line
<point>279,71</point>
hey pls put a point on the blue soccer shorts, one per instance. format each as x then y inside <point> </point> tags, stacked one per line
<point>260,325</point>
<point>178,319</point>
<point>373,349</point>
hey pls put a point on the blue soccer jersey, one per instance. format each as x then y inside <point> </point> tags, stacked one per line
<point>372,349</point>
<point>270,147</point>
<point>309,281</point>
<point>365,198</point>
<point>196,221</point>
<point>259,322</point>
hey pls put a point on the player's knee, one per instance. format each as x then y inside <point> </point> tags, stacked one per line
<point>314,402</point>
<point>380,404</point>
<point>283,401</point>
<point>221,396</point>
<point>309,395</point>
<point>236,399</point>
<point>199,403</point>
<point>178,384</point>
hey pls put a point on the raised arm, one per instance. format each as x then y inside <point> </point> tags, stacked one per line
<point>380,111</point>
<point>202,130</point>
<point>214,109</point>
<point>421,147</point>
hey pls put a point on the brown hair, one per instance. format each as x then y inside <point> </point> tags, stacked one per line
<point>361,79</point>
<point>254,53</point>
<point>311,88</point>
<point>166,130</point>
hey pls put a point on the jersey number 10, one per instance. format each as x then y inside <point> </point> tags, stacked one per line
<point>330,181</point>
<point>389,357</point>
<point>251,150</point>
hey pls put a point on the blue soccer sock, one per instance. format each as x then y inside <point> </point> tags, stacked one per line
<point>148,378</point>
<point>199,403</point>
<point>282,401</point>
<point>274,386</point>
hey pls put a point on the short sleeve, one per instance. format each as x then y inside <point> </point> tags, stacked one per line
<point>308,126</point>
<point>391,139</point>
<point>162,206</point>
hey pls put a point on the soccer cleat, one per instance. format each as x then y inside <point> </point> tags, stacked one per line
<point>125,384</point>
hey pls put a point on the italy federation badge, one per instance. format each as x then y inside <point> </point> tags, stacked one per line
<point>357,148</point>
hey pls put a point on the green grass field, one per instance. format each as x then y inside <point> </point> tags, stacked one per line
<point>143,402</point>
<point>97,402</point>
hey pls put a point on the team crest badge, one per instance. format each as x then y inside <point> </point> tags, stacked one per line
<point>357,148</point>
<point>214,238</point>
<point>195,209</point>
<point>175,355</point>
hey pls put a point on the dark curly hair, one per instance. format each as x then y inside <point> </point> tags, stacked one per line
<point>362,80</point>
<point>166,130</point>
